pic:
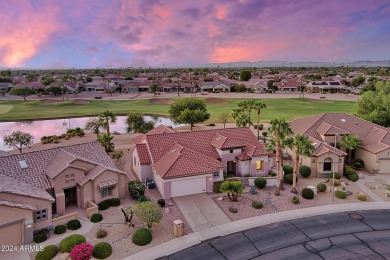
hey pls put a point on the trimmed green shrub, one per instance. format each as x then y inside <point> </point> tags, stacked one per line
<point>73,224</point>
<point>41,236</point>
<point>143,198</point>
<point>295,200</point>
<point>288,178</point>
<point>360,161</point>
<point>136,189</point>
<point>103,205</point>
<point>102,250</point>
<point>307,193</point>
<point>114,202</point>
<point>233,210</point>
<point>48,253</point>
<point>69,242</point>
<point>272,174</point>
<point>353,177</point>
<point>260,183</point>
<point>95,218</point>
<point>305,171</point>
<point>361,197</point>
<point>348,171</point>
<point>321,187</point>
<point>340,194</point>
<point>161,202</point>
<point>336,175</point>
<point>288,169</point>
<point>101,233</point>
<point>357,165</point>
<point>60,229</point>
<point>257,204</point>
<point>142,237</point>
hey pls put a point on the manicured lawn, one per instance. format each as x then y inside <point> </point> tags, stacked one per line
<point>287,108</point>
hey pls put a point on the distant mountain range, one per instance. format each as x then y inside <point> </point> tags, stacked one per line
<point>278,63</point>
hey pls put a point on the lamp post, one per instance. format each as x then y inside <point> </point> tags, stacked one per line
<point>334,165</point>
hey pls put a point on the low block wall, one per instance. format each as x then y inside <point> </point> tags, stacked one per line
<point>64,219</point>
<point>92,208</point>
<point>271,181</point>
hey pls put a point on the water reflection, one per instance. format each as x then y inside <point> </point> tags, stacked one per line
<point>41,128</point>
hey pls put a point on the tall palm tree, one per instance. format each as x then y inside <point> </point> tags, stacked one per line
<point>249,106</point>
<point>93,125</point>
<point>280,129</point>
<point>258,106</point>
<point>106,118</point>
<point>351,142</point>
<point>302,147</point>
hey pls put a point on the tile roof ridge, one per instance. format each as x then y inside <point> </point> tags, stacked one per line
<point>310,126</point>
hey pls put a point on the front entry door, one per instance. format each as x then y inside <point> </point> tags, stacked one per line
<point>70,196</point>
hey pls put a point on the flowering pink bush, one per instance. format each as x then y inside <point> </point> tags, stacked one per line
<point>82,252</point>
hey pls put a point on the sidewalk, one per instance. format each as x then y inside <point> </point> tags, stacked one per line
<point>192,239</point>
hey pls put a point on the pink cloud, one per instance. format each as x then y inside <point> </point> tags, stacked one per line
<point>24,30</point>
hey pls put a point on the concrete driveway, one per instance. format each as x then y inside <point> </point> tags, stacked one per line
<point>200,211</point>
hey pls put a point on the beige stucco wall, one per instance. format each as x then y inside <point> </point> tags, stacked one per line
<point>122,185</point>
<point>12,213</point>
<point>368,158</point>
<point>86,193</point>
<point>339,163</point>
<point>106,175</point>
<point>39,203</point>
<point>59,181</point>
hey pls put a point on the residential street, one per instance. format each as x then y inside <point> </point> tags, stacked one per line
<point>349,235</point>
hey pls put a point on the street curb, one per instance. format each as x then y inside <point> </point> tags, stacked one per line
<point>177,244</point>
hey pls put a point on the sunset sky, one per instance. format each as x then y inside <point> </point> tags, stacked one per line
<point>103,33</point>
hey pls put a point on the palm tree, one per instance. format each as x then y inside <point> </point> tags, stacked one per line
<point>106,118</point>
<point>93,125</point>
<point>280,129</point>
<point>249,105</point>
<point>258,106</point>
<point>302,147</point>
<point>351,142</point>
<point>233,189</point>
<point>105,141</point>
<point>236,112</point>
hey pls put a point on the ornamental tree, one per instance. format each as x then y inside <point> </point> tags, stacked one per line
<point>188,111</point>
<point>18,139</point>
<point>23,92</point>
<point>148,212</point>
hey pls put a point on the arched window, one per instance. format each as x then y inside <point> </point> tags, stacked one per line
<point>327,164</point>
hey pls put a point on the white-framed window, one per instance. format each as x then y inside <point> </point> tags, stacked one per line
<point>216,174</point>
<point>40,215</point>
<point>106,191</point>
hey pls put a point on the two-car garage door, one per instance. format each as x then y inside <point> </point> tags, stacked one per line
<point>384,166</point>
<point>188,186</point>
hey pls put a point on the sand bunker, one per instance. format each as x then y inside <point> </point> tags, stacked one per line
<point>161,101</point>
<point>216,101</point>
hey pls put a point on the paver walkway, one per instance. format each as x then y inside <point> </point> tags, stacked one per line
<point>201,211</point>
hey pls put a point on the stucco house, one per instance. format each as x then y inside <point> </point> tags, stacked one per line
<point>324,129</point>
<point>184,163</point>
<point>36,187</point>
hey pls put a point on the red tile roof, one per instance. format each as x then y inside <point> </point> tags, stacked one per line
<point>143,153</point>
<point>181,161</point>
<point>243,157</point>
<point>222,142</point>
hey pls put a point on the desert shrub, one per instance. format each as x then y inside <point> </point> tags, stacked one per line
<point>321,187</point>
<point>357,165</point>
<point>353,177</point>
<point>260,183</point>
<point>360,161</point>
<point>136,189</point>
<point>361,197</point>
<point>161,202</point>
<point>257,204</point>
<point>288,169</point>
<point>60,229</point>
<point>142,236</point>
<point>233,210</point>
<point>272,174</point>
<point>69,242</point>
<point>348,170</point>
<point>41,236</point>
<point>48,253</point>
<point>103,205</point>
<point>143,198</point>
<point>336,175</point>
<point>81,252</point>
<point>305,171</point>
<point>102,250</point>
<point>95,218</point>
<point>340,194</point>
<point>307,193</point>
<point>101,233</point>
<point>73,224</point>
<point>335,181</point>
<point>288,178</point>
<point>114,202</point>
<point>217,187</point>
<point>295,200</point>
